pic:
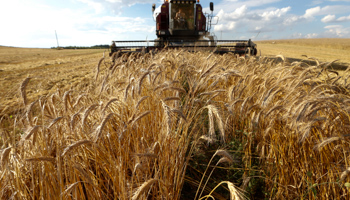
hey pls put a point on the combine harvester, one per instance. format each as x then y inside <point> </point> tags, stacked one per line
<point>182,24</point>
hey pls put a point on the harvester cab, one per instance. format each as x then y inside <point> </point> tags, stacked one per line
<point>183,20</point>
<point>183,24</point>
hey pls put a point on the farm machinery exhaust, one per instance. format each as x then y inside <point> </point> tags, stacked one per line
<point>183,24</point>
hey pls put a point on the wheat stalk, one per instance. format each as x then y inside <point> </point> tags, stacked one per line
<point>5,156</point>
<point>74,145</point>
<point>30,107</point>
<point>140,101</point>
<point>144,188</point>
<point>109,103</point>
<point>139,117</point>
<point>141,81</point>
<point>98,67</point>
<point>87,112</point>
<point>84,173</point>
<point>23,90</point>
<point>39,159</point>
<point>55,121</point>
<point>31,131</point>
<point>99,129</point>
<point>220,152</point>
<point>66,99</point>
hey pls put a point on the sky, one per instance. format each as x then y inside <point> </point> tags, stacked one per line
<point>33,23</point>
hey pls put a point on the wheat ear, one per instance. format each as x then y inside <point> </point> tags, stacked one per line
<point>98,67</point>
<point>143,189</point>
<point>74,145</point>
<point>5,156</point>
<point>23,90</point>
<point>100,127</point>
<point>39,159</point>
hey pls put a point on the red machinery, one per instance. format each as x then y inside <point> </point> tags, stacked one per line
<point>183,24</point>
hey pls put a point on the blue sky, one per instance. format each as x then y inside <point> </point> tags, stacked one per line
<point>32,23</point>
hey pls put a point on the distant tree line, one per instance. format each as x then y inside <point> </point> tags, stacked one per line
<point>102,46</point>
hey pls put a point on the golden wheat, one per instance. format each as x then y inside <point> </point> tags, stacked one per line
<point>142,119</point>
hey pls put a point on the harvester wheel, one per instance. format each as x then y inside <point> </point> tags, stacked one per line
<point>254,51</point>
<point>248,51</point>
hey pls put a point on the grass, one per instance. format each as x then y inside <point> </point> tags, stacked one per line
<point>145,126</point>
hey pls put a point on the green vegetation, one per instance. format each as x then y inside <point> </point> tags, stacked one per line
<point>106,46</point>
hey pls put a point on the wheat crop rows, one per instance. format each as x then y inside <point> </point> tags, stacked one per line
<point>135,128</point>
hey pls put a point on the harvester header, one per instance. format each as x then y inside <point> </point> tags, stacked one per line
<point>184,24</point>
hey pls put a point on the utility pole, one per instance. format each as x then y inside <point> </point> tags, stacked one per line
<point>57,39</point>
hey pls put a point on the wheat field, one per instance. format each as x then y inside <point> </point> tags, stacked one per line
<point>324,49</point>
<point>181,125</point>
